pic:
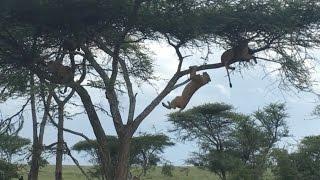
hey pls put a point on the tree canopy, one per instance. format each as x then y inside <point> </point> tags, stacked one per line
<point>231,143</point>
<point>104,44</point>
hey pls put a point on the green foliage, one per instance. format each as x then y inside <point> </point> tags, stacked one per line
<point>8,170</point>
<point>231,142</point>
<point>272,119</point>
<point>167,169</point>
<point>42,162</point>
<point>302,164</point>
<point>11,145</point>
<point>34,30</point>
<point>145,150</point>
<point>12,82</point>
<point>308,158</point>
<point>285,168</point>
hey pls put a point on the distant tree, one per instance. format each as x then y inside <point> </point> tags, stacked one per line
<point>307,158</point>
<point>302,164</point>
<point>11,146</point>
<point>212,126</point>
<point>231,142</point>
<point>8,170</point>
<point>145,150</point>
<point>284,165</point>
<point>167,169</point>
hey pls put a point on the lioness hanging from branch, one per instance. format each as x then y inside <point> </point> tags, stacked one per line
<point>196,82</point>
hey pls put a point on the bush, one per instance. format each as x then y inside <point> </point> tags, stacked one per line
<point>167,169</point>
<point>7,170</point>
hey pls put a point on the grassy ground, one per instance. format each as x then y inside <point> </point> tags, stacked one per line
<point>72,173</point>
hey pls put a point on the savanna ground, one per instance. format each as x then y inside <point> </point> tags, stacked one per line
<point>73,173</point>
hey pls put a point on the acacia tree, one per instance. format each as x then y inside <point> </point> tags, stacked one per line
<point>231,143</point>
<point>303,163</point>
<point>145,150</point>
<point>11,146</point>
<point>35,32</point>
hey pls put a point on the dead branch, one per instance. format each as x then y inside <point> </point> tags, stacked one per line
<point>68,152</point>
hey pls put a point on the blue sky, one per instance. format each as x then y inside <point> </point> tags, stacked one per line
<point>251,90</point>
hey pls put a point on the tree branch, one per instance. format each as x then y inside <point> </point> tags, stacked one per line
<point>47,111</point>
<point>132,97</point>
<point>76,162</point>
<point>111,95</point>
<point>155,102</point>
<point>9,119</point>
<point>177,49</point>
<point>68,130</point>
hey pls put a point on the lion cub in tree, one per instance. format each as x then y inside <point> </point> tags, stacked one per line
<point>196,82</point>
<point>62,74</point>
<point>237,53</point>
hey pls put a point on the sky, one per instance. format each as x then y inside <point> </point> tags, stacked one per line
<point>251,90</point>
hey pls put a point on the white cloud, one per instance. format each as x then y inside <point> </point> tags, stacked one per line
<point>223,90</point>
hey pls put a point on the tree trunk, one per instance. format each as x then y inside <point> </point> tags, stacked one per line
<point>121,170</point>
<point>37,148</point>
<point>223,173</point>
<point>98,132</point>
<point>145,164</point>
<point>60,144</point>
<point>34,168</point>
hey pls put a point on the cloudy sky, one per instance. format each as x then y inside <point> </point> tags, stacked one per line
<point>251,90</point>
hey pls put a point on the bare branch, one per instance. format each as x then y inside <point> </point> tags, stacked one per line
<point>177,49</point>
<point>75,160</point>
<point>44,120</point>
<point>9,119</point>
<point>116,51</point>
<point>47,110</point>
<point>68,130</point>
<point>49,147</point>
<point>132,98</point>
<point>111,95</point>
<point>84,72</point>
<point>155,102</point>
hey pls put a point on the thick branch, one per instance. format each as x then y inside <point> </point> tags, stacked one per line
<point>111,95</point>
<point>155,102</point>
<point>47,112</point>
<point>84,72</point>
<point>44,120</point>
<point>132,98</point>
<point>170,86</point>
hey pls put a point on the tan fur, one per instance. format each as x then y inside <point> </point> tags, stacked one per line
<point>196,82</point>
<point>238,53</point>
<point>61,73</point>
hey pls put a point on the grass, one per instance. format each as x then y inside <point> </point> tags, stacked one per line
<point>70,172</point>
<point>73,173</point>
